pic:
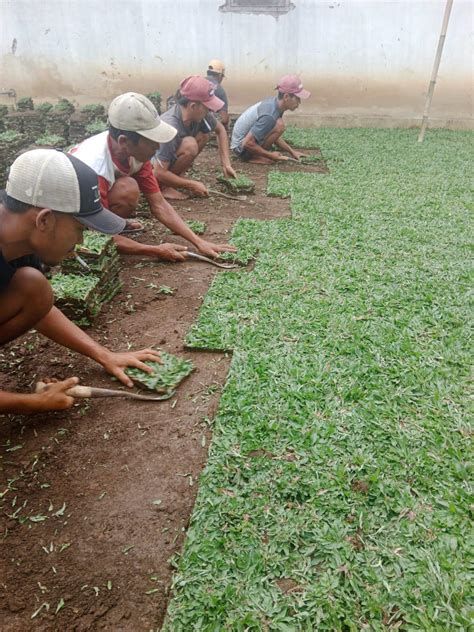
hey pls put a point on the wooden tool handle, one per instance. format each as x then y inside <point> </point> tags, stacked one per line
<point>78,391</point>
<point>85,392</point>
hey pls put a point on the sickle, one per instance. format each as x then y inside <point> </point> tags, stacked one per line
<point>86,392</point>
<point>226,266</point>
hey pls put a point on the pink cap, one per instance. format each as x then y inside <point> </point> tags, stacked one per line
<point>291,84</point>
<point>196,88</point>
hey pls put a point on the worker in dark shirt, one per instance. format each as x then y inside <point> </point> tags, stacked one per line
<point>194,118</point>
<point>50,199</point>
<point>216,74</point>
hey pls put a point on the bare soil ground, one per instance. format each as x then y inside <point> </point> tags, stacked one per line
<point>95,502</point>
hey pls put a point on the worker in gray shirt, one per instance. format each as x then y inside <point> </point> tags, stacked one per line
<point>261,125</point>
<point>193,116</point>
<point>215,74</point>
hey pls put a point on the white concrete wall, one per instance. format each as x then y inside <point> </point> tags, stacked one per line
<point>364,60</point>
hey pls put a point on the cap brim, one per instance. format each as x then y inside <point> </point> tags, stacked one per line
<point>214,103</point>
<point>104,221</point>
<point>303,94</point>
<point>162,133</point>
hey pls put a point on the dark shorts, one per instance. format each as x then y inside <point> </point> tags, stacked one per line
<point>244,154</point>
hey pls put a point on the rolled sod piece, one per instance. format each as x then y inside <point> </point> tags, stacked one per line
<point>165,377</point>
<point>240,184</point>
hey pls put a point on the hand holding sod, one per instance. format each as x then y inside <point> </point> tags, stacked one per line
<point>209,249</point>
<point>229,171</point>
<point>115,363</point>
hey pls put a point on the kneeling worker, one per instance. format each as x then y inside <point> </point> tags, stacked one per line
<point>261,125</point>
<point>49,201</point>
<point>215,74</point>
<point>193,116</point>
<point>121,160</point>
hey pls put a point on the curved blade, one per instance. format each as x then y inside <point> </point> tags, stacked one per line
<point>226,266</point>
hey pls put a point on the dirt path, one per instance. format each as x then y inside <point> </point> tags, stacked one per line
<point>95,503</point>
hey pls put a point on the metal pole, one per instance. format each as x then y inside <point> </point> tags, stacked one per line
<point>434,74</point>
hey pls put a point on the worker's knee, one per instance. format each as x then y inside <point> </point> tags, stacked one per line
<point>124,196</point>
<point>188,147</point>
<point>33,291</point>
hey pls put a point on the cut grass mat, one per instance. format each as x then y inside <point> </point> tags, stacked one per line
<point>337,494</point>
<point>165,377</point>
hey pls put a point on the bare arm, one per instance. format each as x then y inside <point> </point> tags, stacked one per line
<point>167,252</point>
<point>169,179</point>
<point>166,214</point>
<point>286,147</point>
<point>224,156</point>
<point>60,329</point>
<point>224,116</point>
<point>253,147</point>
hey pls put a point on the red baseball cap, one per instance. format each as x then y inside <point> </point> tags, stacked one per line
<point>196,88</point>
<point>291,84</point>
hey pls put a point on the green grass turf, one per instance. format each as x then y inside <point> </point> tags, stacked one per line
<point>337,491</point>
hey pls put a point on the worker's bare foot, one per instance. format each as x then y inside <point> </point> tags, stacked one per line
<point>132,226</point>
<point>261,160</point>
<point>172,194</point>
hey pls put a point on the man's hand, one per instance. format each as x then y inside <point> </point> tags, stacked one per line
<point>198,188</point>
<point>54,397</point>
<point>115,363</point>
<point>171,252</point>
<point>209,249</point>
<point>298,154</point>
<point>228,171</point>
<point>277,156</point>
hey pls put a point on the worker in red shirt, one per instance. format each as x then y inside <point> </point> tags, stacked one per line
<point>121,159</point>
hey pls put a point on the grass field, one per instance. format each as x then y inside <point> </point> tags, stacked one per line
<point>337,491</point>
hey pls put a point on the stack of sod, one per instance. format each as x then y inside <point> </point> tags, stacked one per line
<point>166,377</point>
<point>3,114</point>
<point>240,184</point>
<point>80,296</point>
<point>11,143</point>
<point>57,120</point>
<point>14,122</point>
<point>33,124</point>
<point>50,140</point>
<point>77,127</point>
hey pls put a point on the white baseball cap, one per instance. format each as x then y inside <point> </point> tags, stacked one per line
<point>48,178</point>
<point>133,112</point>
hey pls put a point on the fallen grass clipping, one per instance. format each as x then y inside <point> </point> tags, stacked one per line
<point>337,494</point>
<point>166,377</point>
